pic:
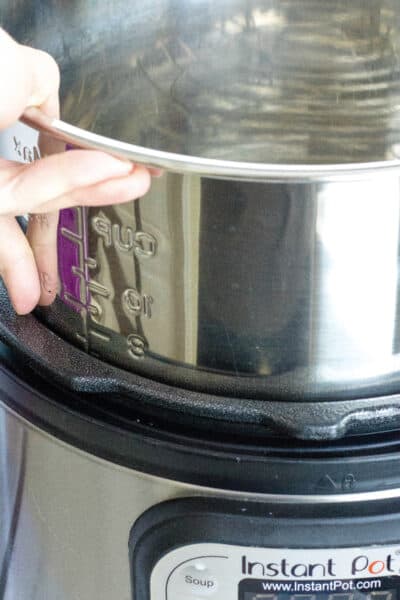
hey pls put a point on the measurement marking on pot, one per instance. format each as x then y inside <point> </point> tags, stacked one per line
<point>27,153</point>
<point>73,301</point>
<point>91,263</point>
<point>99,289</point>
<point>137,303</point>
<point>137,346</point>
<point>349,482</point>
<point>125,239</point>
<point>94,311</point>
<point>101,336</point>
<point>146,244</point>
<point>70,235</point>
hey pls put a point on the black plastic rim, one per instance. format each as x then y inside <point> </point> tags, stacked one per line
<point>95,423</point>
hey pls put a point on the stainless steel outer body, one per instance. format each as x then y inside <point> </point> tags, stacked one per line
<point>66,517</point>
<point>249,287</point>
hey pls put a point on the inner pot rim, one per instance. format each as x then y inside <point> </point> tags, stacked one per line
<point>212,168</point>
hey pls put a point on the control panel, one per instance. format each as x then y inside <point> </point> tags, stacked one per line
<point>226,572</point>
<point>198,548</point>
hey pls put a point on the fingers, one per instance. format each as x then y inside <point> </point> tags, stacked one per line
<point>42,237</point>
<point>114,191</point>
<point>31,78</point>
<point>30,273</point>
<point>18,267</point>
<point>42,228</point>
<point>29,265</point>
<point>45,81</point>
<point>47,184</point>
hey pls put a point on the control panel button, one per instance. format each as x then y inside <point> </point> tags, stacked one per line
<point>198,581</point>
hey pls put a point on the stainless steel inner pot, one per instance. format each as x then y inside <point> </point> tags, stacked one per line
<point>266,261</point>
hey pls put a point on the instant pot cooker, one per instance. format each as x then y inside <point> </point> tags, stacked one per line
<point>211,407</point>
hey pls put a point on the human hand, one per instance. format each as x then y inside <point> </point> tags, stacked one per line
<point>28,265</point>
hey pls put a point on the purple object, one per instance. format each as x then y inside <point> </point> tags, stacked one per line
<point>72,258</point>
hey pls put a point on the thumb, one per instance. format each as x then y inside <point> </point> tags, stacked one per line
<point>29,78</point>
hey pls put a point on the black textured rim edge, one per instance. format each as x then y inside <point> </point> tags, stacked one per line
<point>80,422</point>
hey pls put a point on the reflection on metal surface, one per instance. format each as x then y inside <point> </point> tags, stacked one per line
<point>73,506</point>
<point>136,280</point>
<point>358,230</point>
<point>293,285</point>
<point>12,481</point>
<point>289,82</point>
